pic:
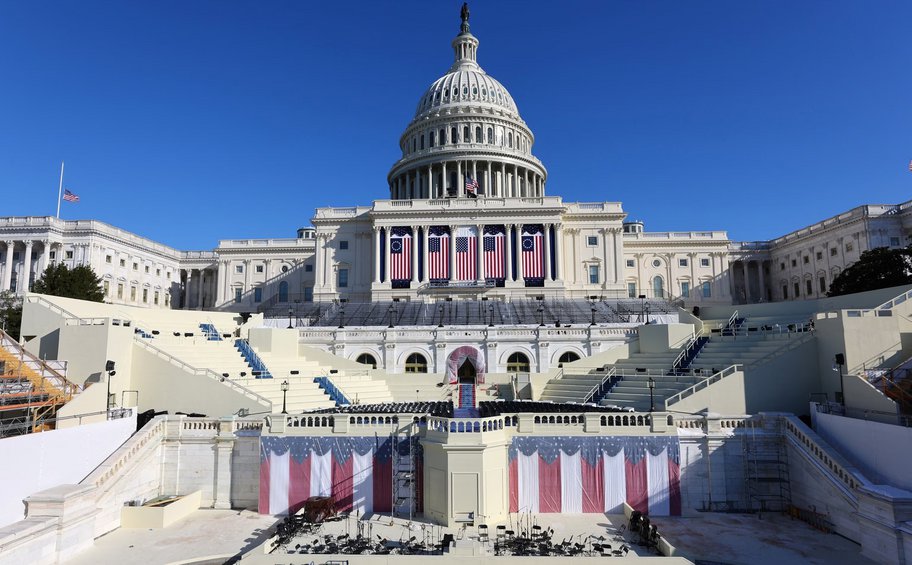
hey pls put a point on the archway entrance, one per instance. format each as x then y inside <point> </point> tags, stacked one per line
<point>466,373</point>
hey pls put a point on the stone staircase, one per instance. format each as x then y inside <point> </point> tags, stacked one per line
<point>362,389</point>
<point>632,391</point>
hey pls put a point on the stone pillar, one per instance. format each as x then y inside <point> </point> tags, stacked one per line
<point>220,282</point>
<point>479,256</point>
<point>606,259</point>
<point>376,255</point>
<point>452,258</point>
<point>460,182</point>
<point>558,252</point>
<point>430,185</point>
<point>548,252</point>
<point>187,288</point>
<point>200,285</point>
<point>520,275</point>
<point>8,265</point>
<point>246,276</point>
<point>508,268</point>
<point>763,281</point>
<point>414,257</point>
<point>224,445</point>
<point>26,268</point>
<point>747,295</point>
<point>388,236</point>
<point>618,250</point>
<point>425,236</point>
<point>45,254</point>
<point>443,180</point>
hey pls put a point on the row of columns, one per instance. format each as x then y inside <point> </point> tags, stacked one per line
<point>432,181</point>
<point>201,284</point>
<point>481,275</point>
<point>24,275</point>
<point>744,294</point>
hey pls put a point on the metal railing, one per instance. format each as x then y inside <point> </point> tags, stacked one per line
<point>598,391</point>
<point>728,371</point>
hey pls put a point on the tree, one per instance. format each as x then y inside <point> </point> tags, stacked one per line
<point>878,268</point>
<point>80,282</point>
<point>10,313</point>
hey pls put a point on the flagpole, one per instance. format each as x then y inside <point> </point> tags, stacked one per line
<point>60,190</point>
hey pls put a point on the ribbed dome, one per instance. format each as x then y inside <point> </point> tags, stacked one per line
<point>471,86</point>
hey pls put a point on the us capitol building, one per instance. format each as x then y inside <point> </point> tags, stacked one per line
<point>467,217</point>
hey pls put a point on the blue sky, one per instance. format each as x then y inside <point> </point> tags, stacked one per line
<point>189,122</point>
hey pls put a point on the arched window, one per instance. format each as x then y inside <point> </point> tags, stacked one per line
<point>490,135</point>
<point>510,139</point>
<point>367,359</point>
<point>283,291</point>
<point>416,363</point>
<point>517,363</point>
<point>478,136</point>
<point>442,136</point>
<point>465,134</point>
<point>658,287</point>
<point>567,357</point>
<point>453,135</point>
<point>430,139</point>
<point>422,141</point>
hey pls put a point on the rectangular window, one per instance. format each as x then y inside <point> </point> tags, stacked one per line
<point>147,269</point>
<point>108,258</point>
<point>782,266</point>
<point>133,293</point>
<point>237,295</point>
<point>809,287</point>
<point>308,294</point>
<point>833,251</point>
<point>259,268</point>
<point>145,296</point>
<point>120,291</point>
<point>69,254</point>
<point>167,300</point>
<point>343,278</point>
<point>707,290</point>
<point>158,272</point>
<point>822,282</point>
<point>819,255</point>
<point>682,262</point>
<point>592,240</point>
<point>704,262</point>
<point>797,290</point>
<point>849,247</point>
<point>135,266</point>
<point>894,242</point>
<point>123,262</point>
<point>343,244</point>
<point>785,292</point>
<point>53,255</point>
<point>630,263</point>
<point>16,255</point>
<point>685,289</point>
<point>155,298</point>
<point>794,263</point>
<point>239,269</point>
<point>107,287</point>
<point>593,274</point>
<point>308,268</point>
<point>258,294</point>
<point>807,259</point>
<point>631,290</point>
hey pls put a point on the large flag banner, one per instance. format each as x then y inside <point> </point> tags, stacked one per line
<point>466,254</point>
<point>533,251</point>
<point>70,196</point>
<point>356,472</point>
<point>439,253</point>
<point>494,254</point>
<point>572,474</point>
<point>401,254</point>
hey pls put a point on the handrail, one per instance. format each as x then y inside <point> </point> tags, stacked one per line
<point>730,370</point>
<point>690,343</point>
<point>63,385</point>
<point>334,392</point>
<point>731,320</point>
<point>204,372</point>
<point>598,388</point>
<point>895,301</point>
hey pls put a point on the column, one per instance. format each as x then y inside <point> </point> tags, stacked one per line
<point>548,252</point>
<point>388,237</point>
<point>188,278</point>
<point>220,283</point>
<point>558,252</point>
<point>617,236</point>
<point>606,259</point>
<point>199,290</point>
<point>443,180</point>
<point>526,183</point>
<point>376,255</point>
<point>639,260</point>
<point>744,267</point>
<point>692,259</point>
<point>425,238</point>
<point>479,255</point>
<point>520,275</point>
<point>414,255</point>
<point>26,268</point>
<point>430,189</point>
<point>45,254</point>
<point>460,182</point>
<point>763,281</point>
<point>509,256</point>
<point>475,177</point>
<point>452,261</point>
<point>247,277</point>
<point>8,265</point>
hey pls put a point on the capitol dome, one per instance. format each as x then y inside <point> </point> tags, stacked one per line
<point>466,131</point>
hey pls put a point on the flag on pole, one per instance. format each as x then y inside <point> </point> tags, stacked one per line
<point>910,165</point>
<point>69,196</point>
<point>471,186</point>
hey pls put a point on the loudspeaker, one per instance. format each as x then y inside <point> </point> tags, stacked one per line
<point>109,366</point>
<point>840,359</point>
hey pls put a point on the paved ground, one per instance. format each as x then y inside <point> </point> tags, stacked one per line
<point>730,539</point>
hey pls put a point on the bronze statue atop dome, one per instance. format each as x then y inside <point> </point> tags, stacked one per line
<point>464,14</point>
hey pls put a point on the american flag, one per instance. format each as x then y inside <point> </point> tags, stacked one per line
<point>533,257</point>
<point>69,196</point>
<point>471,185</point>
<point>494,252</point>
<point>466,254</point>
<point>439,253</point>
<point>910,165</point>
<point>401,254</point>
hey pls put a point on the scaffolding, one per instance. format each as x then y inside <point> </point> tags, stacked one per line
<point>766,471</point>
<point>404,452</point>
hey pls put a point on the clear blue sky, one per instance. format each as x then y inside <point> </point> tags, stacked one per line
<point>189,122</point>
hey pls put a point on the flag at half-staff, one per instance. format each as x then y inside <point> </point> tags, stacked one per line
<point>471,186</point>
